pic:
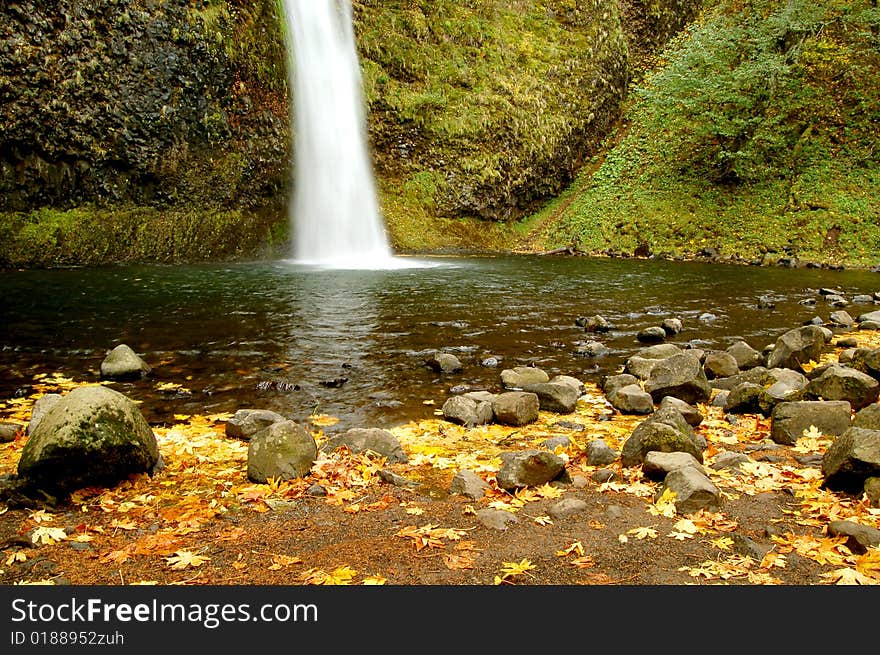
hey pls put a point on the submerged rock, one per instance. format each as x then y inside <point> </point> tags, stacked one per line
<point>122,363</point>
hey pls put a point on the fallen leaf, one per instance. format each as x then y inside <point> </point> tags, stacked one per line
<point>184,558</point>
<point>47,535</point>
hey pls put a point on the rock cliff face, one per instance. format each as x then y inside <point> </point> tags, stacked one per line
<point>176,111</point>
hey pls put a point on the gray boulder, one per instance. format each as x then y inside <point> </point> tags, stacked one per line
<point>720,364</point>
<point>613,382</point>
<point>729,460</point>
<point>42,405</point>
<point>867,360</point>
<point>693,490</point>
<point>369,440</point>
<point>467,411</point>
<point>653,334</point>
<point>528,468</point>
<point>851,459</point>
<point>744,398</point>
<point>746,357</point>
<point>599,453</point>
<point>757,375</point>
<point>595,323</point>
<point>567,507</point>
<point>691,414</point>
<point>8,431</point>
<point>467,483</point>
<point>859,537</point>
<point>796,347</point>
<point>657,465</point>
<point>672,326</point>
<point>664,431</point>
<point>122,363</point>
<point>680,376</point>
<point>444,363</point>
<point>520,376</point>
<point>516,408</point>
<point>631,399</point>
<point>790,419</point>
<point>247,422</point>
<point>868,417</point>
<point>495,519</point>
<point>283,450</point>
<point>841,318</point>
<point>91,436</point>
<point>843,383</point>
<point>872,491</point>
<point>644,360</point>
<point>591,349</point>
<point>573,382</point>
<point>558,397</point>
<point>872,317</point>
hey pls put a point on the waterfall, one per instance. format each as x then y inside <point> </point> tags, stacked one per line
<point>335,216</point>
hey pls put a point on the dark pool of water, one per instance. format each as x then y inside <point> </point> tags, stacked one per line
<point>352,344</point>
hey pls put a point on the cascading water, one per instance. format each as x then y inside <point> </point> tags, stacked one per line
<point>335,215</point>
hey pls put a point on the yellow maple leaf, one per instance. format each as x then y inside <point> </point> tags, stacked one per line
<point>543,520</point>
<point>548,491</point>
<point>869,563</point>
<point>664,505</point>
<point>47,535</point>
<point>574,547</point>
<point>722,543</point>
<point>42,516</point>
<point>17,556</point>
<point>374,580</point>
<point>847,576</point>
<point>643,533</point>
<point>342,575</point>
<point>513,569</point>
<point>184,558</point>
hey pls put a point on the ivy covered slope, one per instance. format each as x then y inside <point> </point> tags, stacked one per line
<point>757,138</point>
<point>483,110</point>
<point>138,130</point>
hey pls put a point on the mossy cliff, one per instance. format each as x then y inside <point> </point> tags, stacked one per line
<point>158,130</point>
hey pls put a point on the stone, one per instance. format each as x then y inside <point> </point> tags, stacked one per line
<point>859,537</point>
<point>93,436</point>
<point>869,317</point>
<point>841,318</point>
<point>729,460</point>
<point>872,491</point>
<point>467,483</point>
<point>467,411</point>
<point>571,381</point>
<point>797,347</point>
<point>123,363</point>
<point>591,349</point>
<point>691,414</point>
<point>631,399</point>
<point>851,459</point>
<point>599,453</point>
<point>665,431</point>
<point>693,490</point>
<point>594,324</point>
<point>396,479</point>
<point>42,405</point>
<point>495,519</point>
<point>657,464</point>
<point>528,468</point>
<point>613,382</point>
<point>369,440</point>
<point>672,326</point>
<point>567,507</point>
<point>843,383</point>
<point>680,376</point>
<point>868,417</point>
<point>283,451</point>
<point>247,422</point>
<point>720,364</point>
<point>653,334</point>
<point>789,420</point>
<point>8,432</point>
<point>516,408</point>
<point>444,363</point>
<point>557,397</point>
<point>520,376</point>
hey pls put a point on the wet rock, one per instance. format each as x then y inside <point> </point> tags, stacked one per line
<point>395,479</point>
<point>496,519</point>
<point>567,507</point>
<point>672,326</point>
<point>847,342</point>
<point>851,459</point>
<point>789,420</point>
<point>516,408</point>
<point>680,376</point>
<point>796,347</point>
<point>844,383</point>
<point>693,490</point>
<point>643,361</point>
<point>657,465</point>
<point>720,364</point>
<point>467,411</point>
<point>528,468</point>
<point>652,334</point>
<point>869,317</point>
<point>869,325</point>
<point>591,349</point>
<point>42,405</point>
<point>284,450</point>
<point>520,376</point>
<point>744,399</point>
<point>631,399</point>
<point>745,356</point>
<point>614,382</point>
<point>599,453</point>
<point>247,422</point>
<point>594,324</point>
<point>91,436</point>
<point>122,363</point>
<point>571,381</point>
<point>691,414</point>
<point>859,537</point>
<point>490,362</point>
<point>444,363</point>
<point>557,397</point>
<point>369,440</point>
<point>863,299</point>
<point>868,417</point>
<point>867,360</point>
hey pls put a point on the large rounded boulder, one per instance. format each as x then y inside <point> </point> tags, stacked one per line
<point>93,436</point>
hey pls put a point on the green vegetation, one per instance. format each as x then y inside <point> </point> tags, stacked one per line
<point>757,136</point>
